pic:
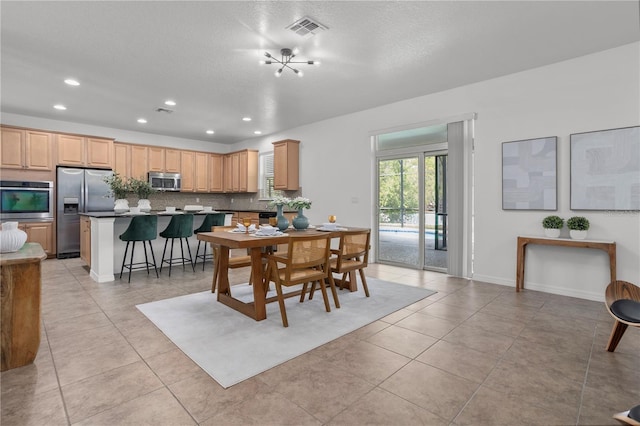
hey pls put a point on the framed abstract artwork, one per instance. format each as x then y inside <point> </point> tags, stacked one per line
<point>605,170</point>
<point>529,174</point>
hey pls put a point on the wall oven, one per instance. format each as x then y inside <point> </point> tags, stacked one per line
<point>165,181</point>
<point>26,200</point>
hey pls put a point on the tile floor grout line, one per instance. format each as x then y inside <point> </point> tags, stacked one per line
<point>586,374</point>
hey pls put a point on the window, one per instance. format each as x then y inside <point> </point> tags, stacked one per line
<point>267,192</point>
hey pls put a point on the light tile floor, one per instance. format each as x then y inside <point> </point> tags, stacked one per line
<point>472,354</point>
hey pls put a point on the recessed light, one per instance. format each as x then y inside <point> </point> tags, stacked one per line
<point>142,120</point>
<point>257,132</point>
<point>170,102</point>
<point>246,118</point>
<point>72,82</point>
<point>60,107</point>
<point>210,132</point>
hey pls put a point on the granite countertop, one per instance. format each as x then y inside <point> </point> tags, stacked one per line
<point>111,213</point>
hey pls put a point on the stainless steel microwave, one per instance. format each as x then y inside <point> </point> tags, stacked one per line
<point>165,181</point>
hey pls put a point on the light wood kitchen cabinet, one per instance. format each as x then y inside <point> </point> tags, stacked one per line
<point>71,150</point>
<point>122,159</point>
<point>84,151</point>
<point>187,173</point>
<point>41,233</point>
<point>140,161</point>
<point>286,157</point>
<point>85,239</point>
<point>201,172</point>
<point>164,160</point>
<point>241,171</point>
<point>99,152</point>
<point>26,149</point>
<point>216,173</point>
<point>172,161</point>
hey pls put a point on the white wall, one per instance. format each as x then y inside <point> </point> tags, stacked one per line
<point>595,92</point>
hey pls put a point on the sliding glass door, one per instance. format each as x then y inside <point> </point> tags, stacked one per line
<point>412,211</point>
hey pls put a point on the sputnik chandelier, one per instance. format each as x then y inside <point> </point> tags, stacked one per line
<point>286,58</point>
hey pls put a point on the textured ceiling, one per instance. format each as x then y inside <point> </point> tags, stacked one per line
<point>131,56</point>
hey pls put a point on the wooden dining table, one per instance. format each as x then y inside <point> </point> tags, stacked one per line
<point>256,245</point>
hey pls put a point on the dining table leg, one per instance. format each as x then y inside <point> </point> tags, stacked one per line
<point>223,272</point>
<point>257,272</point>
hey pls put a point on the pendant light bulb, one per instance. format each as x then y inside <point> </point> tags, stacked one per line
<point>278,73</point>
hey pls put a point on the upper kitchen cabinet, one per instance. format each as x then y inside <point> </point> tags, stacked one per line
<point>286,157</point>
<point>26,149</point>
<point>241,171</point>
<point>216,173</point>
<point>84,151</point>
<point>139,161</point>
<point>164,160</point>
<point>122,159</point>
<point>187,172</point>
<point>201,172</point>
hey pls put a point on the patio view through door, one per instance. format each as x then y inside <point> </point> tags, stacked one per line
<point>412,210</point>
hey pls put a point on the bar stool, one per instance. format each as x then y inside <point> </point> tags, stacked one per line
<point>141,228</point>
<point>211,219</point>
<point>180,226</point>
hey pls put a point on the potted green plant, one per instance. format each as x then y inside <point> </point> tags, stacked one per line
<point>578,227</point>
<point>280,202</point>
<point>300,222</point>
<point>142,188</point>
<point>552,226</point>
<point>119,190</point>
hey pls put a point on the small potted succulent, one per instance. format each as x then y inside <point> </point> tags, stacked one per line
<point>552,226</point>
<point>578,227</point>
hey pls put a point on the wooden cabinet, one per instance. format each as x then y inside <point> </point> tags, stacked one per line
<point>122,159</point>
<point>201,172</point>
<point>85,239</point>
<point>41,233</point>
<point>99,153</point>
<point>140,162</point>
<point>216,173</point>
<point>26,149</point>
<point>286,157</point>
<point>187,172</point>
<point>164,160</point>
<point>84,151</point>
<point>241,171</point>
<point>239,215</point>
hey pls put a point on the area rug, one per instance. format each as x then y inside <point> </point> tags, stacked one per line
<point>232,347</point>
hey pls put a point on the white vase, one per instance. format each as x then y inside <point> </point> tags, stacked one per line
<point>145,205</point>
<point>577,235</point>
<point>11,238</point>
<point>551,233</point>
<point>121,205</point>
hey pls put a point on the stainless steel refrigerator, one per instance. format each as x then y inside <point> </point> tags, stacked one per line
<point>78,191</point>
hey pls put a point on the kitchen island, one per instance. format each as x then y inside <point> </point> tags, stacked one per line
<point>107,250</point>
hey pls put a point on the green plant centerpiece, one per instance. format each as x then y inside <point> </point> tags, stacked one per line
<point>120,188</point>
<point>143,189</point>
<point>552,226</point>
<point>300,222</point>
<point>578,227</point>
<point>280,202</point>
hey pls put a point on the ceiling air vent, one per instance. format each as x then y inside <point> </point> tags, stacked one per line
<point>168,111</point>
<point>306,27</point>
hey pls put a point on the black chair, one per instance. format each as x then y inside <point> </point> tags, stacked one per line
<point>181,227</point>
<point>211,219</point>
<point>623,303</point>
<point>141,228</point>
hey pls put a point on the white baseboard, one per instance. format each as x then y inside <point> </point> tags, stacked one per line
<point>563,291</point>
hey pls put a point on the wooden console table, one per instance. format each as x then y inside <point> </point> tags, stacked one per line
<point>608,246</point>
<point>20,316</point>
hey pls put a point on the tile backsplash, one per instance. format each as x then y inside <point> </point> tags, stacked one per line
<point>237,201</point>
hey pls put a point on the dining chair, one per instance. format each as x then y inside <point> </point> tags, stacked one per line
<point>622,300</point>
<point>211,219</point>
<point>306,261</point>
<point>351,255</point>
<point>235,262</point>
